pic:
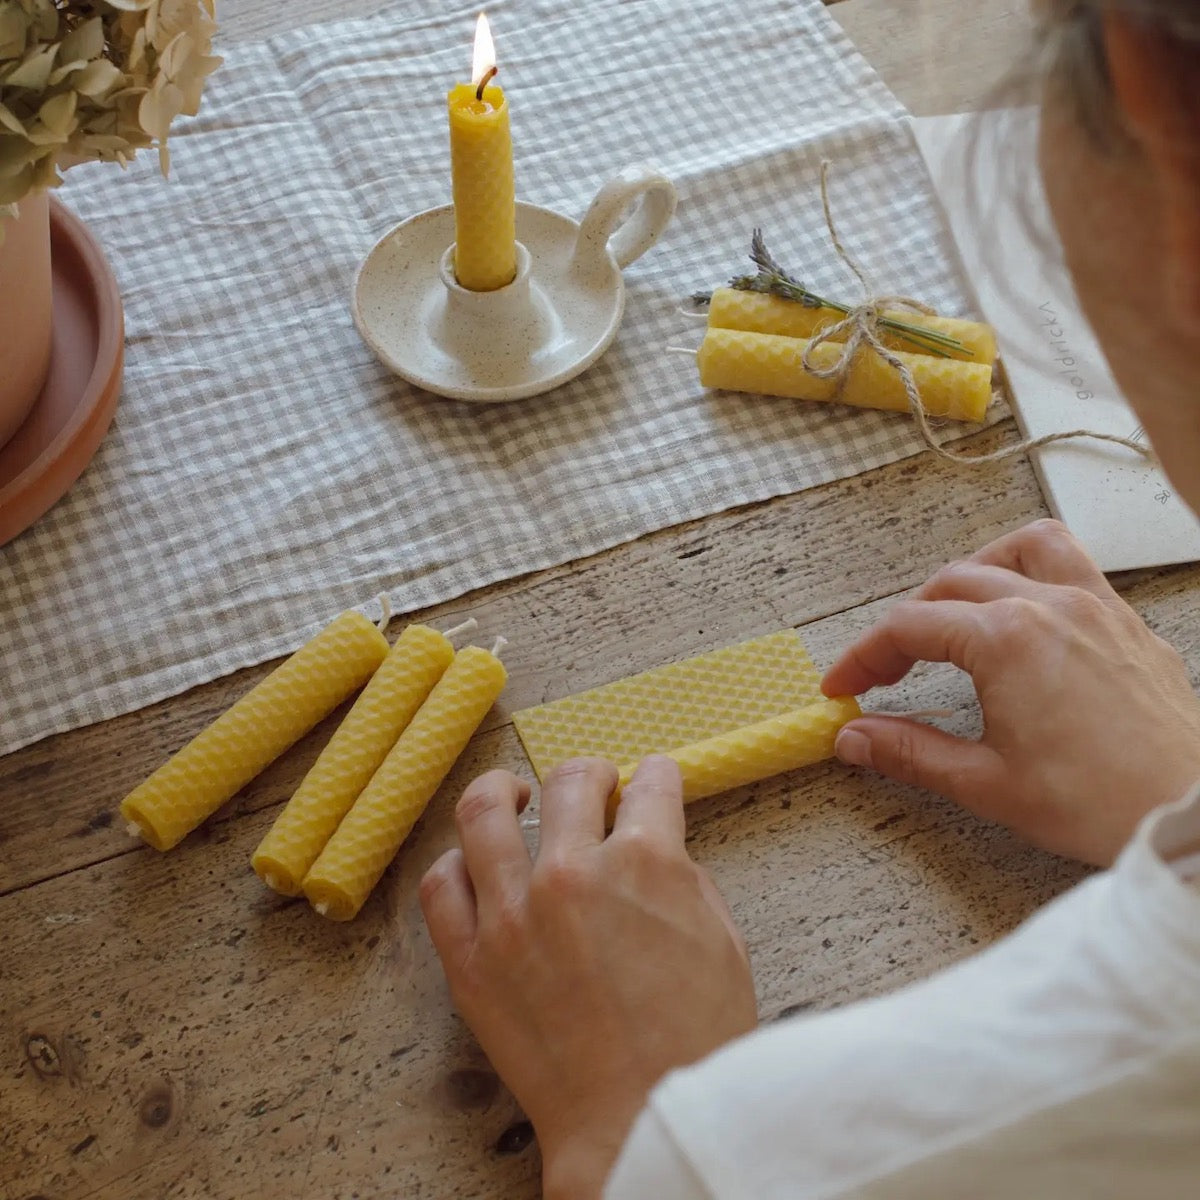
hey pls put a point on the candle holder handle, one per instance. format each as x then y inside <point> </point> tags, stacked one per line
<point>626,218</point>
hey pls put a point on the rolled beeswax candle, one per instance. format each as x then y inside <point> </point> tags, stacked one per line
<point>481,165</point>
<point>362,741</point>
<point>383,816</point>
<point>755,312</point>
<point>238,745</point>
<point>770,365</point>
<point>783,743</point>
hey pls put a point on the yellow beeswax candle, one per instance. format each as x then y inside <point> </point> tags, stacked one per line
<point>238,745</point>
<point>481,164</point>
<point>784,743</point>
<point>383,816</point>
<point>361,743</point>
<point>758,313</point>
<point>770,365</point>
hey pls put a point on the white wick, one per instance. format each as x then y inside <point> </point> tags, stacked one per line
<point>681,350</point>
<point>385,608</point>
<point>466,627</point>
<point>271,882</point>
<point>133,829</point>
<point>322,908</point>
<point>498,645</point>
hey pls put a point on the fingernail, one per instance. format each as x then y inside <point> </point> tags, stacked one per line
<point>853,748</point>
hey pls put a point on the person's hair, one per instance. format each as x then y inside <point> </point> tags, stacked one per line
<point>1073,58</point>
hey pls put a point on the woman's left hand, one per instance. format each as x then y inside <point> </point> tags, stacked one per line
<point>589,973</point>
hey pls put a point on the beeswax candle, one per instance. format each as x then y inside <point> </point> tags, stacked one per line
<point>274,714</point>
<point>756,312</point>
<point>383,816</point>
<point>784,743</point>
<point>770,365</point>
<point>361,743</point>
<point>481,165</point>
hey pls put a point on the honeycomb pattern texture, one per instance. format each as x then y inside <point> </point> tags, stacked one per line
<point>238,745</point>
<point>769,365</point>
<point>784,743</point>
<point>371,832</point>
<point>485,232</point>
<point>757,313</point>
<point>361,743</point>
<point>673,706</point>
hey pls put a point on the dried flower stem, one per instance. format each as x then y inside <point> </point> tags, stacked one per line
<point>773,280</point>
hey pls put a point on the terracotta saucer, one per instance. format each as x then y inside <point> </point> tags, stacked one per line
<point>68,422</point>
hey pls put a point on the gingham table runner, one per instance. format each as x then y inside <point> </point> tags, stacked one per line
<point>265,472</point>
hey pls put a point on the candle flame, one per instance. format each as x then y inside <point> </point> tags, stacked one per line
<point>484,58</point>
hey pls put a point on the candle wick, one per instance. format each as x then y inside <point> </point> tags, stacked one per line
<point>681,350</point>
<point>498,645</point>
<point>133,829</point>
<point>466,627</point>
<point>385,612</point>
<point>489,75</point>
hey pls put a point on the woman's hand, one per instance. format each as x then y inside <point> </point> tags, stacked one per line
<point>590,973</point>
<point>1090,719</point>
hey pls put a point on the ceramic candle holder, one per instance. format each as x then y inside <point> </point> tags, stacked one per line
<point>553,321</point>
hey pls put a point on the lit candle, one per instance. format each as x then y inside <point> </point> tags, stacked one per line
<point>362,741</point>
<point>383,816</point>
<point>784,743</point>
<point>485,253</point>
<point>767,364</point>
<point>274,714</point>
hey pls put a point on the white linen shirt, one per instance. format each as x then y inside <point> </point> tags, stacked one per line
<point>1062,1063</point>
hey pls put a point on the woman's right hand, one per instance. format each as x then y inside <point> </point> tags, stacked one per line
<point>1090,719</point>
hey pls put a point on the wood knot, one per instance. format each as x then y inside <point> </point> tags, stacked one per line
<point>515,1138</point>
<point>469,1088</point>
<point>42,1056</point>
<point>157,1106</point>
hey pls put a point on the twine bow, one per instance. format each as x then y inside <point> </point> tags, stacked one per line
<point>860,326</point>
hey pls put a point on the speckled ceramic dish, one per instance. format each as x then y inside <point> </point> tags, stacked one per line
<point>553,321</point>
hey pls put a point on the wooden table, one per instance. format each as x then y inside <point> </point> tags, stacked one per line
<point>171,1029</point>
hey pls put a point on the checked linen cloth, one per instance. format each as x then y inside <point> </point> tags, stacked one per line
<point>265,472</point>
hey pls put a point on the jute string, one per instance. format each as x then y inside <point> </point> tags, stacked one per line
<point>860,327</point>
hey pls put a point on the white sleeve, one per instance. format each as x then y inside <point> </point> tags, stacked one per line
<point>651,1166</point>
<point>1097,993</point>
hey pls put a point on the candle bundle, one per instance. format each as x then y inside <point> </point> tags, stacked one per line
<point>768,333</point>
<point>728,718</point>
<point>420,707</point>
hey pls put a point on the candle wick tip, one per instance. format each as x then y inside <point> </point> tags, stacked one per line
<point>498,645</point>
<point>488,76</point>
<point>322,908</point>
<point>133,829</point>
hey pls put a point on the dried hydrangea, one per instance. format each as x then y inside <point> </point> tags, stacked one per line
<point>82,80</point>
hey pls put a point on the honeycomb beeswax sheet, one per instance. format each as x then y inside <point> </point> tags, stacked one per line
<point>674,705</point>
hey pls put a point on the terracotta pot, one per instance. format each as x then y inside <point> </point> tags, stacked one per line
<point>25,310</point>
